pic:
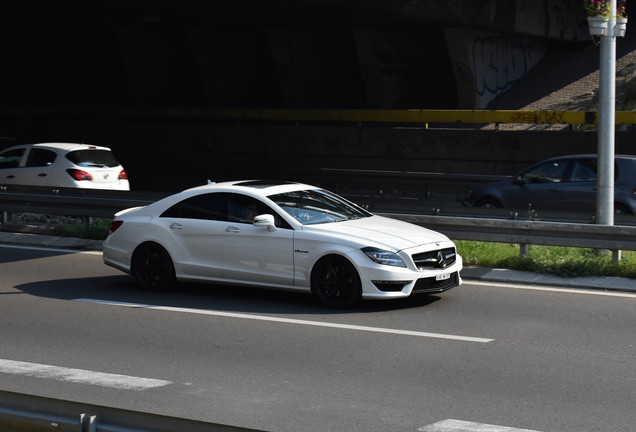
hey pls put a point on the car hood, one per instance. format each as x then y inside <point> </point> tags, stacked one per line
<point>380,231</point>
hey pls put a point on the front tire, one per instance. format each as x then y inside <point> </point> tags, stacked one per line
<point>621,209</point>
<point>336,283</point>
<point>488,203</point>
<point>153,268</point>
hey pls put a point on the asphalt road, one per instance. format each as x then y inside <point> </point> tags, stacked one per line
<point>541,360</point>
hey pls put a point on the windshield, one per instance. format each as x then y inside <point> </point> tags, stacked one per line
<point>311,207</point>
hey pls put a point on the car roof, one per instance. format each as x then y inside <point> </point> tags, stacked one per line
<point>591,155</point>
<point>61,146</point>
<point>254,187</point>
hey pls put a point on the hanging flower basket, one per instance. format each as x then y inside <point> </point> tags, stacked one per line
<point>621,27</point>
<point>598,25</point>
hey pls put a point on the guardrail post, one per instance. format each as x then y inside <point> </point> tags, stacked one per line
<point>523,249</point>
<point>88,423</point>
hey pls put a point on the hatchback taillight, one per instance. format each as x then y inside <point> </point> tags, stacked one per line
<point>79,175</point>
<point>113,226</point>
<point>123,175</point>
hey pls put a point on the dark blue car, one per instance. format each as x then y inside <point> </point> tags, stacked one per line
<point>566,183</point>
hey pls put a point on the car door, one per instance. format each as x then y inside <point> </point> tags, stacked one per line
<point>191,231</point>
<point>256,254</point>
<point>580,189</point>
<point>39,170</point>
<point>10,162</point>
<point>541,187</point>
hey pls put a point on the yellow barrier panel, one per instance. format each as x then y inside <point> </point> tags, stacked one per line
<point>323,115</point>
<point>423,116</point>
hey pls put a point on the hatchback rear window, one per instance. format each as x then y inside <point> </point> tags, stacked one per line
<point>93,158</point>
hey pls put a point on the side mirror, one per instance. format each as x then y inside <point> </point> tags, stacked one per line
<point>266,221</point>
<point>519,180</point>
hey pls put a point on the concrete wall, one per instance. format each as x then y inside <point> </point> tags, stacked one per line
<point>173,155</point>
<point>488,64</point>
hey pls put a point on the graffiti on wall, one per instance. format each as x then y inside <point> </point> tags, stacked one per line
<point>500,62</point>
<point>559,19</point>
<point>566,20</point>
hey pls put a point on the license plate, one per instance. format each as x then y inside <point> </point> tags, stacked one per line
<point>442,276</point>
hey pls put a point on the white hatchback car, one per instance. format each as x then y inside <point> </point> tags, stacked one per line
<point>279,235</point>
<point>62,165</point>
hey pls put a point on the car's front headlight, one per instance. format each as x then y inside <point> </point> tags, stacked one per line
<point>384,257</point>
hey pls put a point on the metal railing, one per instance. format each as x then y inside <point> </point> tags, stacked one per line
<point>71,202</point>
<point>94,203</point>
<point>528,232</point>
<point>22,412</point>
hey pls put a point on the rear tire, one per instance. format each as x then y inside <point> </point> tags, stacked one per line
<point>153,268</point>
<point>336,283</point>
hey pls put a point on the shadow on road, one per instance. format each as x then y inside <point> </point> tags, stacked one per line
<point>123,288</point>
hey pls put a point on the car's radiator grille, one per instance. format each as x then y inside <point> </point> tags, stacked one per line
<point>441,258</point>
<point>431,285</point>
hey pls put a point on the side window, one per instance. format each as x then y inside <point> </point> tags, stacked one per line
<point>206,206</point>
<point>549,172</point>
<point>584,170</point>
<point>11,158</point>
<point>243,209</point>
<point>40,158</point>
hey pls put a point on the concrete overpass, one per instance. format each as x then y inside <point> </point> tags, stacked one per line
<point>278,54</point>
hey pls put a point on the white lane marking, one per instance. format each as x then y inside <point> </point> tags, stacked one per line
<point>464,426</point>
<point>80,376</point>
<point>291,321</point>
<point>52,249</point>
<point>593,292</point>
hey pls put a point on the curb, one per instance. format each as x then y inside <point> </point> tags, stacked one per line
<point>26,239</point>
<point>606,283</point>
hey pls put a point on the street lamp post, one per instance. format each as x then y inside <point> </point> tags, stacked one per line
<point>606,128</point>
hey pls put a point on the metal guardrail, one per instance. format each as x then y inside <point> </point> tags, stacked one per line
<point>528,232</point>
<point>93,203</point>
<point>71,202</point>
<point>22,412</point>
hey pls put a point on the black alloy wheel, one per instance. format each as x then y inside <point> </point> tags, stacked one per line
<point>488,203</point>
<point>335,282</point>
<point>153,268</point>
<point>621,209</point>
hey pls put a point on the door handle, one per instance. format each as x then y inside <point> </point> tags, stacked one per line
<point>232,229</point>
<point>10,176</point>
<point>176,226</point>
<point>42,175</point>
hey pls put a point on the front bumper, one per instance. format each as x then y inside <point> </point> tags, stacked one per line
<point>383,282</point>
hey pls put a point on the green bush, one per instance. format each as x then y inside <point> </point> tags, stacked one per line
<point>97,229</point>
<point>560,261</point>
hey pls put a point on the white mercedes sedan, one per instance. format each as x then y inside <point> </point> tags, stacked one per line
<point>279,235</point>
